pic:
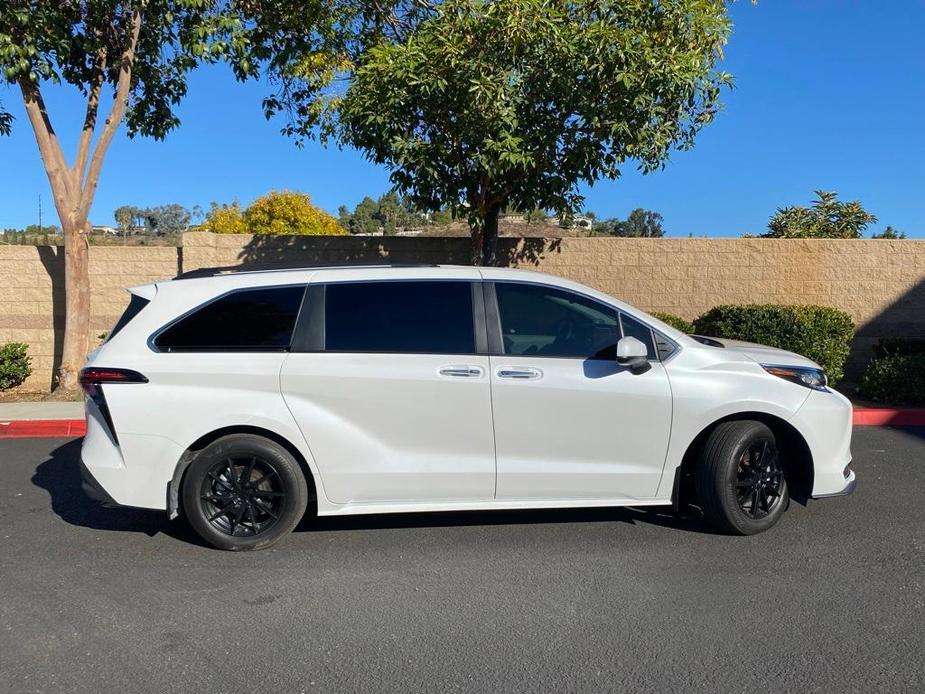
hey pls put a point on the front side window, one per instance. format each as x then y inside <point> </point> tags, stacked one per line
<point>547,322</point>
<point>406,317</point>
<point>543,321</point>
<point>242,321</point>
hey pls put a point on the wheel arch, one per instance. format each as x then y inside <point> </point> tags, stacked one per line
<point>795,452</point>
<point>176,483</point>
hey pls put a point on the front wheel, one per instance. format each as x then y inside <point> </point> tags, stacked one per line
<point>740,480</point>
<point>244,492</point>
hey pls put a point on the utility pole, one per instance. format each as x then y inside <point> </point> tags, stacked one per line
<point>40,213</point>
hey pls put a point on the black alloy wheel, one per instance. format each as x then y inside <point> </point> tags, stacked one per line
<point>741,484</point>
<point>244,491</point>
<point>759,480</point>
<point>242,496</point>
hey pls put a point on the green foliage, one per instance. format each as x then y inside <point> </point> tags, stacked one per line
<point>889,233</point>
<point>511,104</point>
<point>15,364</point>
<point>6,121</point>
<point>387,215</point>
<point>674,321</point>
<point>888,346</point>
<point>640,224</point>
<point>160,220</point>
<point>70,41</point>
<point>898,379</point>
<point>827,218</point>
<point>277,213</point>
<point>820,333</point>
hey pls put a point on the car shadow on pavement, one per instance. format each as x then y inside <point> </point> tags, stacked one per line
<point>59,475</point>
<point>689,521</point>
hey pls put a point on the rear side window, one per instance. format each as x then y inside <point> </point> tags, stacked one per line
<point>407,317</point>
<point>242,321</point>
<point>135,304</point>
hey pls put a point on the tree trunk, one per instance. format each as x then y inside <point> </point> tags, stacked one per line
<point>485,238</point>
<point>76,303</point>
<point>478,249</point>
<point>490,236</point>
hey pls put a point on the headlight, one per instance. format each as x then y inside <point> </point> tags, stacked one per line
<point>801,375</point>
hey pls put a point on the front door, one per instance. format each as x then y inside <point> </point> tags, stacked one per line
<point>396,406</point>
<point>570,423</point>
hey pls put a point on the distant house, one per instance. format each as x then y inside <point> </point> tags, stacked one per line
<point>103,229</point>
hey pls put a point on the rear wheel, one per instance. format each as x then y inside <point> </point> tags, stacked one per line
<point>244,492</point>
<point>740,480</point>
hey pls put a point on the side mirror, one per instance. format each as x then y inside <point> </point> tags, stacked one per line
<point>632,353</point>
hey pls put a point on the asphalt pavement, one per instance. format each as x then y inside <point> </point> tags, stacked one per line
<point>832,599</point>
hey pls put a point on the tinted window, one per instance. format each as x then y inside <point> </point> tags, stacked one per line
<point>133,309</point>
<point>545,322</point>
<point>245,320</point>
<point>411,317</point>
<point>633,328</point>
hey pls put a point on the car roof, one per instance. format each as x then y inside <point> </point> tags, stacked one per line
<point>231,278</point>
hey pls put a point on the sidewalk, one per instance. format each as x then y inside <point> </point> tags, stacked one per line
<point>39,419</point>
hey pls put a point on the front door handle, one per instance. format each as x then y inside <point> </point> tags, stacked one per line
<point>521,373</point>
<point>464,371</point>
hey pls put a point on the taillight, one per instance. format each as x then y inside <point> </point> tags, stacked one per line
<point>93,376</point>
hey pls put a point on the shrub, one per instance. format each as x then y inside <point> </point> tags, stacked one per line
<point>897,379</point>
<point>888,346</point>
<point>287,212</point>
<point>14,364</point>
<point>820,333</point>
<point>674,321</point>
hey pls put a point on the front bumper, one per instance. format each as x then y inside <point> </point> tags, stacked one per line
<point>851,483</point>
<point>825,421</point>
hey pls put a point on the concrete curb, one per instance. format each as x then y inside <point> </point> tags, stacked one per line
<point>889,417</point>
<point>43,428</point>
<point>69,428</point>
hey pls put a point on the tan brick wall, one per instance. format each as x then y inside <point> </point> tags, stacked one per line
<point>880,283</point>
<point>32,295</point>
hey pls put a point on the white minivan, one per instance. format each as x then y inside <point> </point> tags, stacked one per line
<point>241,399</point>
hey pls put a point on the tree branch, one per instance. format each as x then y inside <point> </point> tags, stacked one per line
<point>114,119</point>
<point>49,146</point>
<point>93,104</point>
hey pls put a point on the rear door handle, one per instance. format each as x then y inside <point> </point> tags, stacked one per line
<point>463,371</point>
<point>521,373</point>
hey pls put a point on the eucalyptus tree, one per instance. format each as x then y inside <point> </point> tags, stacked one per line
<point>129,60</point>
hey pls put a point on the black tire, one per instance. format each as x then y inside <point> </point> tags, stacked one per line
<point>740,479</point>
<point>244,492</point>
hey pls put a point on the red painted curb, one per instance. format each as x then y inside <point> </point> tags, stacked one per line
<point>888,417</point>
<point>70,428</point>
<point>42,428</point>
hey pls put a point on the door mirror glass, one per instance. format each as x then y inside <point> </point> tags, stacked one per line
<point>633,354</point>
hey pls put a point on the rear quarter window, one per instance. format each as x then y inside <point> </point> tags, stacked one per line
<point>245,320</point>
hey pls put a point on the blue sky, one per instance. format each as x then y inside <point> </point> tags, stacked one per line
<point>829,94</point>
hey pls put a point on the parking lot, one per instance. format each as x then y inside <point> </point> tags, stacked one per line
<point>832,599</point>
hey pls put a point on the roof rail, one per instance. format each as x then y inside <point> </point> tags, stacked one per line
<point>258,269</point>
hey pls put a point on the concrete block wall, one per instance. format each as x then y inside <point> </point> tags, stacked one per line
<point>880,283</point>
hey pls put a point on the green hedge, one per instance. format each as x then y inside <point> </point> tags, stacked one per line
<point>888,346</point>
<point>15,364</point>
<point>820,333</point>
<point>675,321</point>
<point>898,379</point>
